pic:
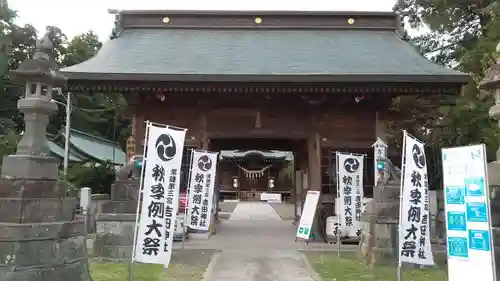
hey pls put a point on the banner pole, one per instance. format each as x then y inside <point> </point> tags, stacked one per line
<point>403,165</point>
<point>139,203</point>
<point>184,226</point>
<point>338,201</point>
<point>351,153</point>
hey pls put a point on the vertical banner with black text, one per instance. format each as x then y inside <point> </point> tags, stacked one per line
<point>350,187</point>
<point>201,190</point>
<point>414,220</point>
<point>160,194</point>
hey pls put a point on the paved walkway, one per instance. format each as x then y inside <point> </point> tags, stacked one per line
<point>254,211</point>
<point>256,245</point>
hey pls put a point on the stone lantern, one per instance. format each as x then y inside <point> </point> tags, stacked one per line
<point>40,239</point>
<point>491,83</point>
<point>39,76</point>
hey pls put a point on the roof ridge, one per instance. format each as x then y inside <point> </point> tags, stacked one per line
<point>261,12</point>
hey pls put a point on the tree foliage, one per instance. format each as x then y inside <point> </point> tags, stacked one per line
<point>98,177</point>
<point>462,35</point>
<point>94,113</point>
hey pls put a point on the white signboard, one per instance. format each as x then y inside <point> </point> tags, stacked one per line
<point>307,217</point>
<point>201,190</point>
<point>160,194</point>
<point>414,230</point>
<point>468,231</point>
<point>271,197</point>
<point>350,190</point>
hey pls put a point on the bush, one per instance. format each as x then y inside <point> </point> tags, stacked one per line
<point>97,176</point>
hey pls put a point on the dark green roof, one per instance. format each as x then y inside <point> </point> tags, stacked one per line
<point>183,54</point>
<point>84,147</point>
<point>58,151</point>
<point>95,147</point>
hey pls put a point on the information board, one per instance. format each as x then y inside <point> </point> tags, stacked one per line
<point>307,217</point>
<point>468,228</point>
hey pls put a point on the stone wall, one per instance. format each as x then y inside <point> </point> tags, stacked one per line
<point>39,238</point>
<point>379,238</point>
<point>115,221</point>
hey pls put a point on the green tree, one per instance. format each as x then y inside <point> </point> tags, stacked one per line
<point>91,112</point>
<point>98,177</point>
<point>461,35</point>
<point>20,42</point>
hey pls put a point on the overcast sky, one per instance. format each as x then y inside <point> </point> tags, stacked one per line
<point>75,17</point>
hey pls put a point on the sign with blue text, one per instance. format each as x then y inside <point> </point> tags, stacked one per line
<point>468,229</point>
<point>308,213</point>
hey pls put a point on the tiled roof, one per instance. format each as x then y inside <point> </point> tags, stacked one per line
<point>353,55</point>
<point>96,147</point>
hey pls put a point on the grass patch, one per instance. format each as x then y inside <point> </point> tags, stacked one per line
<point>349,268</point>
<point>145,272</point>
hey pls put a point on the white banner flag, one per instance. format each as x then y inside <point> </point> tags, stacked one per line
<point>414,234</point>
<point>201,189</point>
<point>160,194</point>
<point>350,190</point>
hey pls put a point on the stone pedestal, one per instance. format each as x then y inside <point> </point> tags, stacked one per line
<point>35,167</point>
<point>115,221</point>
<point>39,238</point>
<point>379,239</point>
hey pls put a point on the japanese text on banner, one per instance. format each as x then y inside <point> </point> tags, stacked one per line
<point>414,234</point>
<point>160,194</point>
<point>201,190</point>
<point>350,183</point>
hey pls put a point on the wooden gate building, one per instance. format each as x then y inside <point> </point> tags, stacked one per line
<point>307,82</point>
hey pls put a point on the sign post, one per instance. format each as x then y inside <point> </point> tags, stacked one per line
<point>468,216</point>
<point>307,216</point>
<point>380,153</point>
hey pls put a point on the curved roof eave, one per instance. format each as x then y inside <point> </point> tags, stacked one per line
<point>165,55</point>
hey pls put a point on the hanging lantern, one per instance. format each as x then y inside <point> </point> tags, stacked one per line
<point>236,182</point>
<point>270,183</point>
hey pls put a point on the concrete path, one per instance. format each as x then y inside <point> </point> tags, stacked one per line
<point>255,265</point>
<point>255,248</point>
<point>254,211</point>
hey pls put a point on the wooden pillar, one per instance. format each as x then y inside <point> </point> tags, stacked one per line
<point>203,130</point>
<point>381,129</point>
<point>314,170</point>
<point>314,162</point>
<point>138,130</point>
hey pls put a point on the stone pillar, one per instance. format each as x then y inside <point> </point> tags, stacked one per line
<point>40,239</point>
<point>491,83</point>
<point>115,221</point>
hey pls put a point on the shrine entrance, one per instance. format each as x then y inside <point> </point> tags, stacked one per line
<point>252,169</point>
<point>259,170</point>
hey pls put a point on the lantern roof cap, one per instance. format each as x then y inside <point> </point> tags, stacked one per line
<point>41,68</point>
